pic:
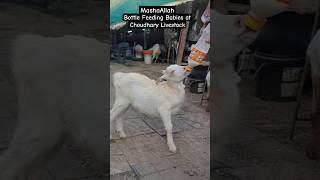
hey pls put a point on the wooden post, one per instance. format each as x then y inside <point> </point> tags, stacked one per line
<point>183,36</point>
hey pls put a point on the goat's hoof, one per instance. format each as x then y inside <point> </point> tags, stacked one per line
<point>122,135</point>
<point>173,149</point>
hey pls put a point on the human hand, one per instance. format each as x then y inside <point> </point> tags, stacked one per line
<point>239,23</point>
<point>244,33</point>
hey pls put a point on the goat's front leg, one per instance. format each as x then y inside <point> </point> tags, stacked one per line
<point>166,118</point>
<point>120,106</point>
<point>119,127</point>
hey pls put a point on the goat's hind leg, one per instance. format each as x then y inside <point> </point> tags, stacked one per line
<point>119,107</point>
<point>166,118</point>
<point>119,126</point>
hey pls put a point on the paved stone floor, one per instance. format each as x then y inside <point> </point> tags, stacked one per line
<point>144,153</point>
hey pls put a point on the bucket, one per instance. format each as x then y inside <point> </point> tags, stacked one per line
<point>197,87</point>
<point>148,56</point>
<point>138,54</point>
<point>278,79</point>
<point>128,53</point>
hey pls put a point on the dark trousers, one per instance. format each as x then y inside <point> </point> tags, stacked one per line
<point>199,72</point>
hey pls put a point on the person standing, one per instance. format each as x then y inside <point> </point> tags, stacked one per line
<point>198,60</point>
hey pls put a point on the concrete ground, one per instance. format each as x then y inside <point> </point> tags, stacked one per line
<point>144,153</point>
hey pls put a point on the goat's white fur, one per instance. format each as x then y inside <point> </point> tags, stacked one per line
<point>149,97</point>
<point>61,87</point>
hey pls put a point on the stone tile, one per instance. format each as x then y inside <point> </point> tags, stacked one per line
<point>118,164</point>
<point>134,157</point>
<point>124,176</point>
<point>197,120</point>
<point>118,161</point>
<point>133,127</point>
<point>162,151</point>
<point>199,138</point>
<point>126,144</point>
<point>201,135</point>
<point>187,141</point>
<point>136,126</point>
<point>143,147</point>
<point>194,124</point>
<point>191,108</point>
<point>154,141</point>
<point>88,178</point>
<point>168,162</point>
<point>115,149</point>
<point>155,176</point>
<point>157,145</point>
<point>142,142</point>
<point>135,143</point>
<point>157,125</point>
<point>185,173</point>
<point>143,169</point>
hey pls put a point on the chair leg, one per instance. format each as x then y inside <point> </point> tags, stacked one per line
<point>203,93</point>
<point>299,99</point>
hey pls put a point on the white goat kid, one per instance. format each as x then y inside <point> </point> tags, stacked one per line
<point>161,99</point>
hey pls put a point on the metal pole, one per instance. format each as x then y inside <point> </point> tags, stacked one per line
<point>145,46</point>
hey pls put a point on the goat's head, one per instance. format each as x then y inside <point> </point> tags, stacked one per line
<point>174,73</point>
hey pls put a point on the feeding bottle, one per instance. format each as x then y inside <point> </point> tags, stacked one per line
<point>262,9</point>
